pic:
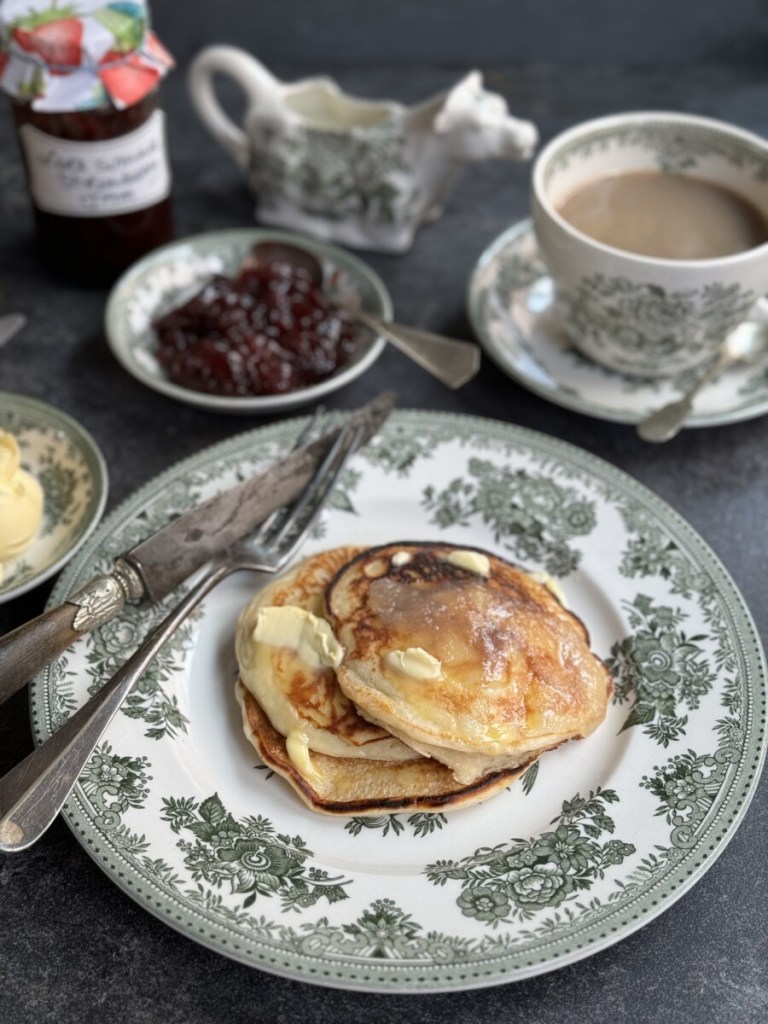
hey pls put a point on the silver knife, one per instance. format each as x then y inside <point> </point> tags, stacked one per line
<point>11,324</point>
<point>157,565</point>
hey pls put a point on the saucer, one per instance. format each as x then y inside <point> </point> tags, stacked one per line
<point>509,303</point>
<point>66,461</point>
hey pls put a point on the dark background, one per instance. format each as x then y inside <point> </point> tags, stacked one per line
<point>452,33</point>
<point>73,947</point>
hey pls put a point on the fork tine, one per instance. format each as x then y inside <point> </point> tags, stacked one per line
<point>309,428</point>
<point>305,512</point>
<point>261,535</point>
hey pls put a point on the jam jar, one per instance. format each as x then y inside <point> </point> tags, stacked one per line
<point>85,93</point>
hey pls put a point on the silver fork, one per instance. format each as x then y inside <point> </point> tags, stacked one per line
<point>33,793</point>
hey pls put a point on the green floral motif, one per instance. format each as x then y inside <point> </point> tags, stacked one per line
<point>22,570</point>
<point>649,324</point>
<point>63,702</point>
<point>399,452</point>
<point>148,700</point>
<point>113,784</point>
<point>675,147</point>
<point>688,787</point>
<point>661,667</point>
<point>515,880</point>
<point>335,175</point>
<point>651,552</point>
<point>756,384</point>
<point>60,484</point>
<point>635,384</point>
<point>534,516</point>
<point>249,856</point>
<point>689,783</point>
<point>518,270</point>
<point>421,823</point>
<point>382,932</point>
<point>528,778</point>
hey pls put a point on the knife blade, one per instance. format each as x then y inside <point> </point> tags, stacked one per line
<point>158,564</point>
<point>11,324</point>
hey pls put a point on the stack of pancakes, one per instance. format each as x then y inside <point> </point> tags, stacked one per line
<point>411,676</point>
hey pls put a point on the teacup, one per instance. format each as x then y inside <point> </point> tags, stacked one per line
<point>647,315</point>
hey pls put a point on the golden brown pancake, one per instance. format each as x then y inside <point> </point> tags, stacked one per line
<point>303,700</point>
<point>311,734</point>
<point>355,786</point>
<point>463,655</point>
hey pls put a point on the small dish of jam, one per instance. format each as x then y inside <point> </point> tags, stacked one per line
<point>205,321</point>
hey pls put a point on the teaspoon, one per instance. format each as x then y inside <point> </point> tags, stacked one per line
<point>746,344</point>
<point>453,362</point>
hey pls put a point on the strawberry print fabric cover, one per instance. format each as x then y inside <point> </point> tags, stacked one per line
<point>82,55</point>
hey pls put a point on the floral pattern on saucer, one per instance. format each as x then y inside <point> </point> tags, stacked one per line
<point>70,468</point>
<point>510,303</point>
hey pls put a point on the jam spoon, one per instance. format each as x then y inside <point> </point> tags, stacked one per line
<point>453,362</point>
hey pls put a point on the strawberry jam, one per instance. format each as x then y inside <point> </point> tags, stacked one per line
<point>267,331</point>
<point>102,224</point>
<point>83,79</point>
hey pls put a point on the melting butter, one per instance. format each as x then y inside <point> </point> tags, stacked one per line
<point>310,636</point>
<point>21,501</point>
<point>552,586</point>
<point>472,561</point>
<point>297,747</point>
<point>414,662</point>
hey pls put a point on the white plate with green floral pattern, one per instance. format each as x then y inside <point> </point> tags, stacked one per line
<point>71,470</point>
<point>595,842</point>
<point>509,302</point>
<point>152,286</point>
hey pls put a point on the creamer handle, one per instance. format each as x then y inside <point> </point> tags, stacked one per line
<point>261,88</point>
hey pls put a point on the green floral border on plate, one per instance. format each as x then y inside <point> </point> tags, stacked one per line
<point>691,700</point>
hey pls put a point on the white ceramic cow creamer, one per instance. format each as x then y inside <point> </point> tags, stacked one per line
<point>361,172</point>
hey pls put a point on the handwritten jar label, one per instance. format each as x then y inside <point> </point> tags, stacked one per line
<point>98,179</point>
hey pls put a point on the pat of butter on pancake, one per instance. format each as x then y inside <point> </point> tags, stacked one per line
<point>472,561</point>
<point>414,662</point>
<point>401,558</point>
<point>552,586</point>
<point>289,626</point>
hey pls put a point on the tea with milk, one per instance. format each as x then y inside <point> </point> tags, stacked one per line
<point>664,215</point>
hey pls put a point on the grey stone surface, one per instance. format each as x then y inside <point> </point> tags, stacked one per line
<point>355,32</point>
<point>72,946</point>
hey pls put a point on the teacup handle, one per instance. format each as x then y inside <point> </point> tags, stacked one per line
<point>261,88</point>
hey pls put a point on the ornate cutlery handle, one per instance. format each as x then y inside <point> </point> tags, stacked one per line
<point>27,650</point>
<point>33,793</point>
